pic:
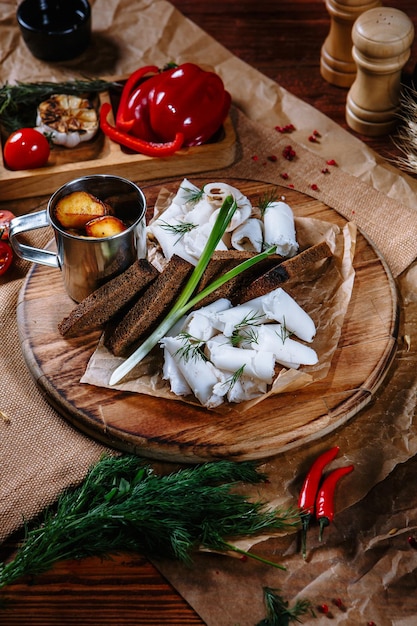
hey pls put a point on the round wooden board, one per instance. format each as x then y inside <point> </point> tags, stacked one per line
<point>175,431</point>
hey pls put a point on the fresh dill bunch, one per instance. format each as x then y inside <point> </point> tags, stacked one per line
<point>180,229</point>
<point>266,199</point>
<point>279,613</point>
<point>123,505</point>
<point>192,348</point>
<point>18,102</point>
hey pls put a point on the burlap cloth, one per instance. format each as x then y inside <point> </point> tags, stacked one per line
<point>365,558</point>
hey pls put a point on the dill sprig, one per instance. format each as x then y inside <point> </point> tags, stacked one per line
<point>193,195</point>
<point>192,348</point>
<point>265,200</point>
<point>18,102</point>
<point>244,336</point>
<point>279,613</point>
<point>231,382</point>
<point>180,229</point>
<point>123,505</point>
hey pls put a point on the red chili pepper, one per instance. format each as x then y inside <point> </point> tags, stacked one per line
<point>134,143</point>
<point>325,497</point>
<point>308,493</point>
<point>183,99</point>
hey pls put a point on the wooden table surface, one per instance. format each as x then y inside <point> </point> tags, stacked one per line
<point>282,39</point>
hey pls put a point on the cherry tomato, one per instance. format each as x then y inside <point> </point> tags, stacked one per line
<point>5,219</point>
<point>6,257</point>
<point>26,149</point>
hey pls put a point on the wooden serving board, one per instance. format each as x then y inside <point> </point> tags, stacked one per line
<point>103,156</point>
<point>175,431</point>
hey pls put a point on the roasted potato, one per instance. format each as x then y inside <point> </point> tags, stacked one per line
<point>104,226</point>
<point>76,209</point>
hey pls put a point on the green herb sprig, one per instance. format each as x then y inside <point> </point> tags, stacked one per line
<point>18,103</point>
<point>279,613</point>
<point>123,505</point>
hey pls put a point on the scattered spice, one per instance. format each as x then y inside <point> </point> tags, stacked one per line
<point>314,187</point>
<point>313,139</point>
<point>272,158</point>
<point>289,153</point>
<point>254,157</point>
<point>316,133</point>
<point>288,128</point>
<point>339,603</point>
<point>284,175</point>
<point>412,542</point>
<point>325,170</point>
<point>331,162</point>
<point>323,608</point>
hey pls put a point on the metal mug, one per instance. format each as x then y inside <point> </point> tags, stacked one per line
<point>87,262</point>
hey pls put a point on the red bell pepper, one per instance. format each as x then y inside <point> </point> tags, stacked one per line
<point>147,148</point>
<point>183,100</point>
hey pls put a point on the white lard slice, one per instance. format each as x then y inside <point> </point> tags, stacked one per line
<point>279,306</point>
<point>248,236</point>
<point>286,351</point>
<point>279,228</point>
<point>172,373</point>
<point>200,375</point>
<point>249,313</point>
<point>258,365</point>
<point>198,324</point>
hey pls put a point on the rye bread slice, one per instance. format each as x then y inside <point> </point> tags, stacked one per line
<point>105,302</point>
<point>150,309</point>
<point>282,272</point>
<point>224,260</point>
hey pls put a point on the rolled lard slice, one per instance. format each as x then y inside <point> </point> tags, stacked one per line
<point>254,364</point>
<point>194,241</point>
<point>287,351</point>
<point>279,228</point>
<point>218,192</point>
<point>171,242</point>
<point>201,375</point>
<point>279,306</point>
<point>186,191</point>
<point>243,389</point>
<point>248,236</point>
<point>173,374</point>
<point>248,314</point>
<point>198,324</point>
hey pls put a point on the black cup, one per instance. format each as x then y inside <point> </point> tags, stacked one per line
<point>55,30</point>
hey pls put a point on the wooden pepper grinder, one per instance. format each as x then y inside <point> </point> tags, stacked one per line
<point>382,38</point>
<point>336,63</point>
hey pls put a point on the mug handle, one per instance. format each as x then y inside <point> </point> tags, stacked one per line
<point>24,223</point>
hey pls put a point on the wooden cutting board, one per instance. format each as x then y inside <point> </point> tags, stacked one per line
<point>175,431</point>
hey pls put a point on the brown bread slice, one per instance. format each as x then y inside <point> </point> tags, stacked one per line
<point>105,302</point>
<point>224,260</point>
<point>282,272</point>
<point>145,315</point>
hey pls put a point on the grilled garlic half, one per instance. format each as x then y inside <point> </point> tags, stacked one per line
<point>68,119</point>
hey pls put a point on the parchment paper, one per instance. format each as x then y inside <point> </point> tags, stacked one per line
<point>365,558</point>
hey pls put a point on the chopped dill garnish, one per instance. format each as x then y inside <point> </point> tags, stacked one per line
<point>192,348</point>
<point>283,333</point>
<point>231,382</point>
<point>266,199</point>
<point>193,195</point>
<point>180,229</point>
<point>244,336</point>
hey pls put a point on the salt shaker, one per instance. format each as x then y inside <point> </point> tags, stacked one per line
<point>336,63</point>
<point>382,38</point>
